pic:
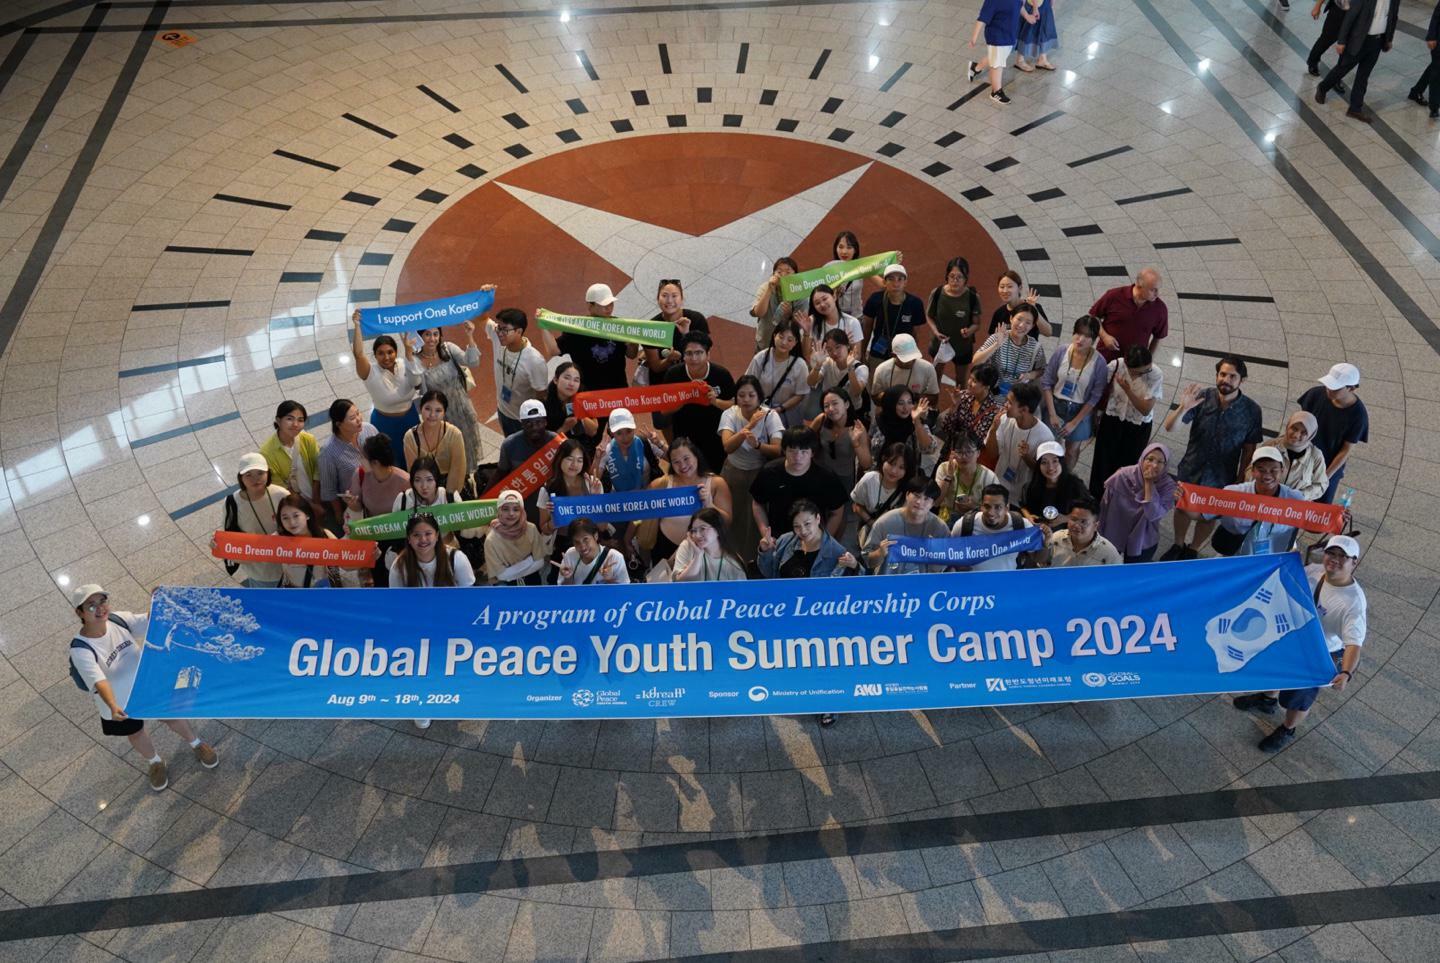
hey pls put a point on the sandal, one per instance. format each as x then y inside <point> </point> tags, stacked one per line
<point>1024,68</point>
<point>1046,66</point>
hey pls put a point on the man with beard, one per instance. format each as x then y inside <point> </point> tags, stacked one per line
<point>1224,430</point>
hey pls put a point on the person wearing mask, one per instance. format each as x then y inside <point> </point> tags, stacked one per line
<point>707,555</point>
<point>1072,386</point>
<point>823,316</point>
<point>1137,498</point>
<point>961,478</point>
<point>298,519</point>
<point>899,420</point>
<point>993,517</point>
<point>851,294</point>
<point>889,313</point>
<point>601,360</point>
<point>750,435</point>
<point>437,439</point>
<point>1132,314</point>
<point>1246,536</point>
<point>844,443</point>
<point>251,509</point>
<point>779,486</point>
<point>1013,295</point>
<point>560,407</point>
<point>882,489</point>
<point>1080,543</point>
<point>906,367</point>
<point>782,373</point>
<point>770,310</point>
<point>911,520</point>
<point>1015,438</point>
<point>588,562</point>
<point>701,423</point>
<point>445,367</point>
<point>391,383</point>
<point>1224,430</point>
<point>1341,419</point>
<point>293,453</point>
<point>834,366</point>
<point>1018,356</point>
<point>1053,490</point>
<point>1343,609</point>
<point>807,550</point>
<point>342,454</point>
<point>426,562</point>
<point>952,313</point>
<point>687,468</point>
<point>520,371</point>
<point>515,553</point>
<point>1304,464</point>
<point>975,409</point>
<point>1127,414</point>
<point>104,658</point>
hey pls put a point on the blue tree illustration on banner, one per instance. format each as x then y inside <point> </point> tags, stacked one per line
<point>204,620</point>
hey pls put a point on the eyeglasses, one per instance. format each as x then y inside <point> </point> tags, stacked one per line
<point>94,607</point>
<point>503,331</point>
<point>665,281</point>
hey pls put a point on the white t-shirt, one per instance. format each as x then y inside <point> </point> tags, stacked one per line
<point>833,376</point>
<point>464,574</point>
<point>613,571</point>
<point>1149,386</point>
<point>1010,469</point>
<point>519,375</point>
<point>1000,563</point>
<point>919,378</point>
<point>393,392</point>
<point>116,658</point>
<point>870,491</point>
<point>850,325</point>
<point>1342,610</point>
<point>748,456</point>
<point>775,383</point>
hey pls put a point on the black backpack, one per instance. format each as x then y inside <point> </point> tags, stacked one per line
<point>79,643</point>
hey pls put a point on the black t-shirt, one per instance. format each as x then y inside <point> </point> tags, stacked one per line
<point>556,413</point>
<point>701,423</point>
<point>892,319</point>
<point>600,360</point>
<point>775,490</point>
<point>1001,316</point>
<point>1063,496</point>
<point>1335,426</point>
<point>799,564</point>
<point>697,323</point>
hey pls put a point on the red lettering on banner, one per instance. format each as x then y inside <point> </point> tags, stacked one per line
<point>1311,516</point>
<point>598,404</point>
<point>287,550</point>
<point>527,478</point>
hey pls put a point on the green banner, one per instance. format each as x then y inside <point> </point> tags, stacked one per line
<point>452,517</point>
<point>796,287</point>
<point>653,334</point>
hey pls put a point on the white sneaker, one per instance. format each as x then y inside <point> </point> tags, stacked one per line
<point>970,71</point>
<point>999,96</point>
<point>422,723</point>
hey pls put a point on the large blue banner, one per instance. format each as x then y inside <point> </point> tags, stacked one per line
<point>965,550</point>
<point>424,314</point>
<point>733,648</point>
<point>623,506</point>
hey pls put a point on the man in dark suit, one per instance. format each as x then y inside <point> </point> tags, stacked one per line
<point>1431,76</point>
<point>1366,32</point>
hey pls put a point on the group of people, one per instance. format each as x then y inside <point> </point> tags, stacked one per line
<point>1360,31</point>
<point>837,440</point>
<point>1026,27</point>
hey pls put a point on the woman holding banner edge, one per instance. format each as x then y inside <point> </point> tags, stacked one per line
<point>426,562</point>
<point>390,382</point>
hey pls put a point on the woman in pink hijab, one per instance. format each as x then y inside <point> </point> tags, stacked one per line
<point>1136,499</point>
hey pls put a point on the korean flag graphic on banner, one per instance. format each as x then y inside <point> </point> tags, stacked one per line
<point>1268,615</point>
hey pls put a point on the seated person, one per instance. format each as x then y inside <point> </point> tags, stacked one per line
<point>1080,542</point>
<point>807,550</point>
<point>993,518</point>
<point>913,520</point>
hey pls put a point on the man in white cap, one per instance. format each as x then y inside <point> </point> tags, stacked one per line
<point>1341,417</point>
<point>601,361</point>
<point>1340,602</point>
<point>517,449</point>
<point>889,313</point>
<point>907,368</point>
<point>1246,536</point>
<point>104,657</point>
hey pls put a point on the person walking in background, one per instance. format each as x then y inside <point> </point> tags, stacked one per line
<point>1335,11</point>
<point>1000,21</point>
<point>1426,91</point>
<point>1366,32</point>
<point>1038,37</point>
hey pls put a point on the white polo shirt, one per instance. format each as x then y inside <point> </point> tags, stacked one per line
<point>116,658</point>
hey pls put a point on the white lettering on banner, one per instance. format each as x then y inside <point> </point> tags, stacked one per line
<point>311,658</point>
<point>1036,645</point>
<point>510,660</point>
<point>802,652</point>
<point>690,654</point>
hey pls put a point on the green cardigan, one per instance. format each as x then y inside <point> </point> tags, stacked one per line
<point>279,460</point>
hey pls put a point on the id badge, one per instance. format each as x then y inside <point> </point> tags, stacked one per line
<point>1009,475</point>
<point>1067,390</point>
<point>880,347</point>
<point>505,393</point>
<point>569,410</point>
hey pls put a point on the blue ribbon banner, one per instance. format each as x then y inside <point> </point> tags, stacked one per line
<point>967,550</point>
<point>424,314</point>
<point>783,646</point>
<point>624,506</point>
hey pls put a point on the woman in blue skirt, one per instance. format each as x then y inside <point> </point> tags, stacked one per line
<point>1037,37</point>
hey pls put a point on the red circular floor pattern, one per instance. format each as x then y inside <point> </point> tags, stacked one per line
<point>688,182</point>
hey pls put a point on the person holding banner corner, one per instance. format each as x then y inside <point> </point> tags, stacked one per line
<point>687,467</point>
<point>993,517</point>
<point>299,519</point>
<point>912,520</point>
<point>1248,536</point>
<point>851,294</point>
<point>390,382</point>
<point>770,309</point>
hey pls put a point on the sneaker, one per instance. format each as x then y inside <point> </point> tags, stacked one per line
<point>1320,93</point>
<point>1278,739</point>
<point>422,723</point>
<point>1173,554</point>
<point>827,718</point>
<point>159,778</point>
<point>207,755</point>
<point>970,71</point>
<point>999,96</point>
<point>1258,701</point>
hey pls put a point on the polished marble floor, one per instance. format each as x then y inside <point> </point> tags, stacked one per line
<point>185,224</point>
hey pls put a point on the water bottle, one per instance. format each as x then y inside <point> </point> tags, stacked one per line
<point>1346,497</point>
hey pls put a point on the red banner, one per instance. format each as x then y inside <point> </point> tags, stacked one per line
<point>598,404</point>
<point>1311,516</point>
<point>528,478</point>
<point>287,550</point>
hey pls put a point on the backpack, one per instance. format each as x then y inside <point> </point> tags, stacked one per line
<point>79,643</point>
<point>967,522</point>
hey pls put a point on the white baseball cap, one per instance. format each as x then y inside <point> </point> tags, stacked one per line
<point>896,269</point>
<point>254,461</point>
<point>599,294</point>
<point>1342,375</point>
<point>1345,543</point>
<point>509,495</point>
<point>1050,448</point>
<point>533,408</point>
<point>905,348</point>
<point>80,593</point>
<point>1268,451</point>
<point>620,419</point>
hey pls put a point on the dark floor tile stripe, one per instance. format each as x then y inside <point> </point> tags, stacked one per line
<point>936,169</point>
<point>301,277</point>
<point>996,166</point>
<point>975,91</point>
<point>1009,222</point>
<point>252,202</point>
<point>1046,290</point>
<point>743,60</point>
<point>787,125</point>
<point>199,504</point>
<point>364,295</point>
<point>471,171</point>
<point>664,58</point>
<point>621,126</point>
<point>892,118</point>
<point>767,97</point>
<point>172,366</point>
<point>1112,152</point>
<point>1247,358</point>
<point>315,234</point>
<point>514,81</point>
<point>1081,230</point>
<point>640,97</point>
<point>516,121</point>
<point>1107,271</point>
<point>301,158</point>
<point>1211,242</point>
<point>286,371</point>
<point>577,106</point>
<point>1049,194</point>
<point>406,167</point>
<point>178,306</point>
<point>1026,128</point>
<point>954,137</point>
<point>841,135</point>
<point>1033,254</point>
<point>431,196</point>
<point>567,136</point>
<point>1210,296</point>
<point>220,251</point>
<point>1138,198</point>
<point>732,120</point>
<point>675,120</point>
<point>291,323</point>
<point>155,440</point>
<point>40,16</point>
<point>819,64</point>
<point>889,149</point>
<point>977,193</point>
<point>903,69</point>
<point>375,259</point>
<point>456,140</point>
<point>17,54</point>
<point>704,95</point>
<point>369,126</point>
<point>831,105</point>
<point>478,877</point>
<point>438,99</point>
<point>355,197</point>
